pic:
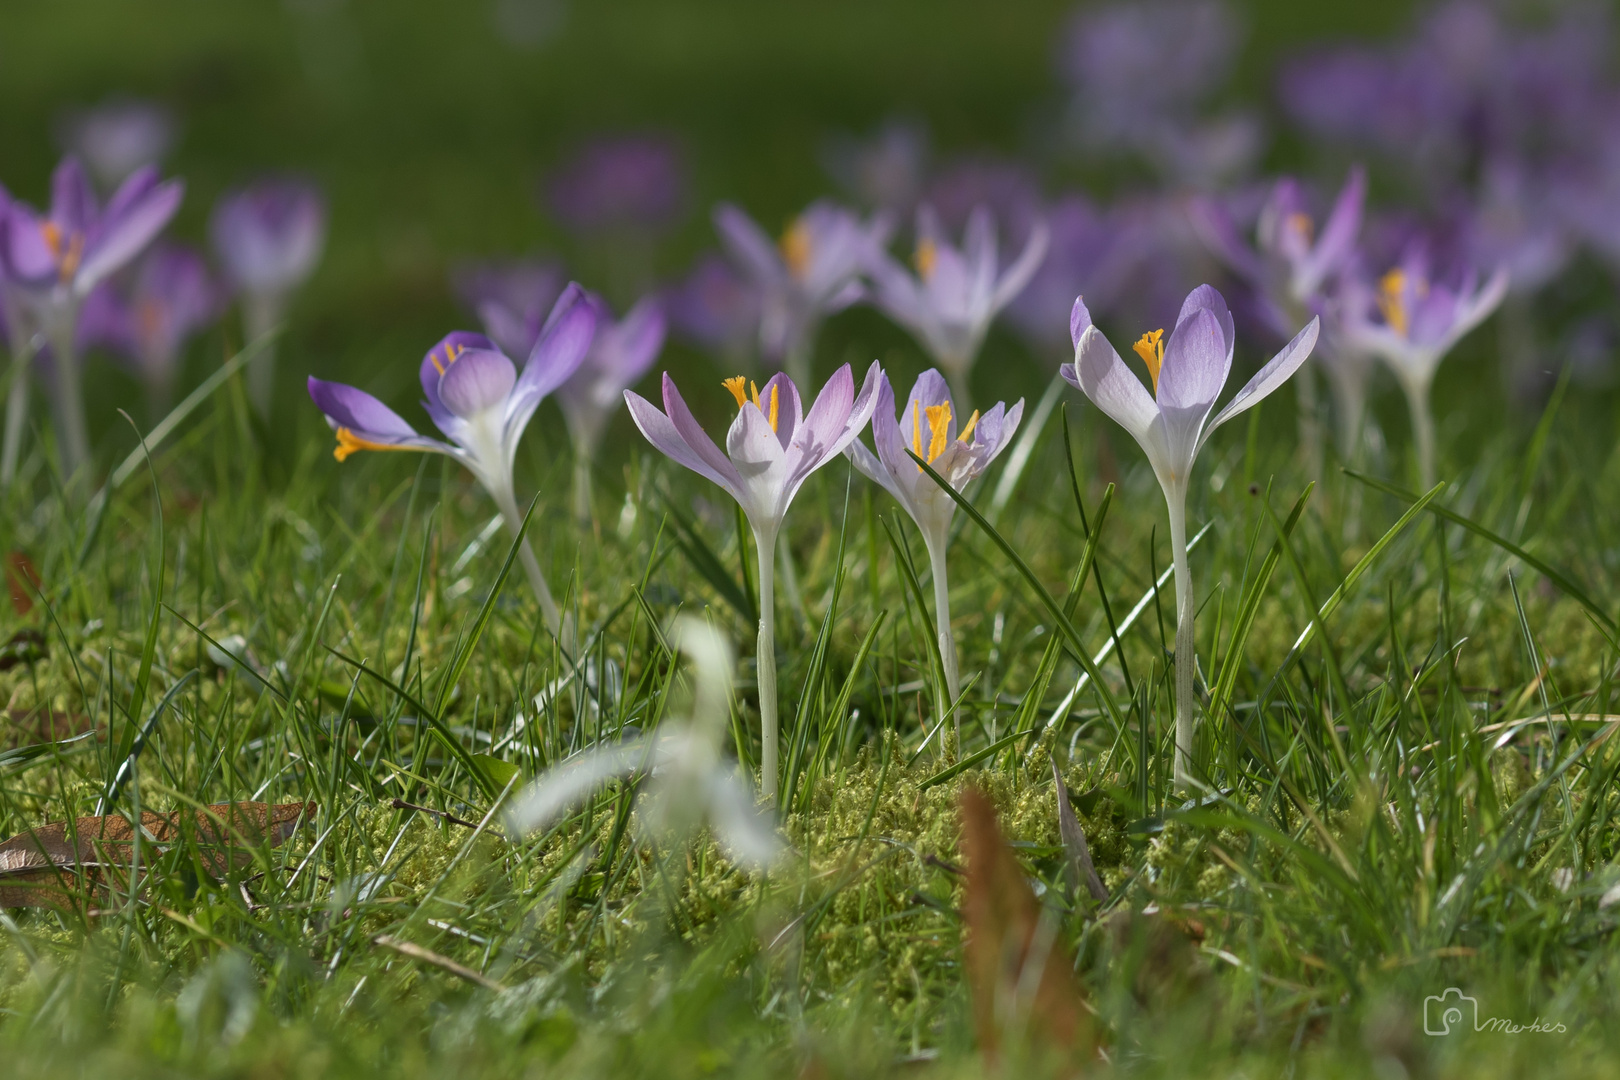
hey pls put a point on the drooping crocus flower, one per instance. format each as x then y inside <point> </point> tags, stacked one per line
<point>717,308</point>
<point>1172,424</point>
<point>690,781</point>
<point>928,426</point>
<point>55,260</point>
<point>620,354</point>
<point>171,296</point>
<point>814,272</point>
<point>1419,317</point>
<point>511,298</point>
<point>482,402</point>
<point>119,136</point>
<point>268,236</point>
<point>772,448</point>
<point>949,304</point>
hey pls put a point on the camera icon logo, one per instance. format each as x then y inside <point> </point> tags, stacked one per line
<point>1442,1011</point>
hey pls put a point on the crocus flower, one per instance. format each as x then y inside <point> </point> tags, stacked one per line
<point>772,448</point>
<point>620,182</point>
<point>884,171</point>
<point>1172,424</point>
<point>956,292</point>
<point>716,308</point>
<point>690,783</point>
<point>268,236</point>
<point>928,426</point>
<point>54,261</point>
<point>1419,317</point>
<point>119,136</point>
<point>482,403</point>
<point>620,354</point>
<point>814,272</point>
<point>511,298</point>
<point>171,296</point>
<point>1091,254</point>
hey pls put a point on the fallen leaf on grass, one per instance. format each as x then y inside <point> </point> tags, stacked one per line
<point>56,864</point>
<point>23,580</point>
<point>1025,998</point>
<point>24,727</point>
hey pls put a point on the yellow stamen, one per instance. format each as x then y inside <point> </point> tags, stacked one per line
<point>67,262</point>
<point>349,442</point>
<point>771,416</point>
<point>966,432</point>
<point>1302,224</point>
<point>1391,301</point>
<point>52,233</point>
<point>916,430</point>
<point>755,394</point>
<point>926,256</point>
<point>451,353</point>
<point>1150,347</point>
<point>939,426</point>
<point>737,384</point>
<point>795,246</point>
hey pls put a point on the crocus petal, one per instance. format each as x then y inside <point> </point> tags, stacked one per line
<point>511,331</point>
<point>1079,320</point>
<point>874,469</point>
<point>717,466</point>
<point>478,380</point>
<point>1019,273</point>
<point>557,355</point>
<point>1098,370</point>
<point>1207,298</point>
<point>73,200</point>
<point>748,836</point>
<point>119,239</point>
<point>748,243</point>
<point>1196,363</point>
<point>558,788</point>
<point>1274,374</point>
<point>828,415</point>
<point>354,408</point>
<point>439,359</point>
<point>1338,237</point>
<point>27,257</point>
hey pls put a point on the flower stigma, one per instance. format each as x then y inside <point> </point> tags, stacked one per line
<point>349,442</point>
<point>1301,224</point>
<point>1390,301</point>
<point>926,256</point>
<point>796,246</point>
<point>1150,347</point>
<point>67,262</point>
<point>736,383</point>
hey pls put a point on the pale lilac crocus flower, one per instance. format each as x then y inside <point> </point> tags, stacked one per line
<point>717,308</point>
<point>118,137</point>
<point>511,298</point>
<point>269,237</point>
<point>928,426</point>
<point>771,449</point>
<point>171,296</point>
<point>55,260</point>
<point>813,272</point>
<point>482,402</point>
<point>1419,318</point>
<point>956,293</point>
<point>621,353</point>
<point>1172,424</point>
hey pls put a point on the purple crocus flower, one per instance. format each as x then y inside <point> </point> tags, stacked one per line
<point>268,237</point>
<point>118,137</point>
<point>1091,254</point>
<point>482,403</point>
<point>621,353</point>
<point>771,450</point>
<point>1172,424</point>
<point>1419,317</point>
<point>511,298</point>
<point>884,171</point>
<point>1011,190</point>
<point>634,182</point>
<point>927,425</point>
<point>814,272</point>
<point>54,260</point>
<point>171,296</point>
<point>949,304</point>
<point>717,308</point>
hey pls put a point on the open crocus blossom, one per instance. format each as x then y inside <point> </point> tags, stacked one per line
<point>949,304</point>
<point>1172,424</point>
<point>772,448</point>
<point>620,354</point>
<point>268,236</point>
<point>511,298</point>
<point>690,783</point>
<point>171,296</point>
<point>482,402</point>
<point>814,271</point>
<point>928,426</point>
<point>1418,321</point>
<point>54,261</point>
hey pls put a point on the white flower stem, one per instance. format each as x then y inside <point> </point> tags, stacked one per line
<point>765,550</point>
<point>1350,409</point>
<point>1310,425</point>
<point>942,623</point>
<point>22,358</point>
<point>531,566</point>
<point>582,481</point>
<point>1186,658</point>
<point>260,313</point>
<point>797,365</point>
<point>1417,401</point>
<point>72,432</point>
<point>958,375</point>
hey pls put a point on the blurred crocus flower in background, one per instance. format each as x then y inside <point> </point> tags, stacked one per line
<point>482,402</point>
<point>170,297</point>
<point>269,237</point>
<point>54,260</point>
<point>690,782</point>
<point>716,308</point>
<point>118,137</point>
<point>620,354</point>
<point>956,292</point>
<point>959,451</point>
<point>1411,319</point>
<point>1010,189</point>
<point>620,182</point>
<point>1172,424</point>
<point>814,271</point>
<point>771,449</point>
<point>510,297</point>
<point>1091,253</point>
<point>884,171</point>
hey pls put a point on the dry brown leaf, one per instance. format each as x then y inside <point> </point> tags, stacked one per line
<point>23,581</point>
<point>25,727</point>
<point>1025,998</point>
<point>56,864</point>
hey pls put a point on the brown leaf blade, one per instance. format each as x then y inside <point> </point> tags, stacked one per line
<point>1025,998</point>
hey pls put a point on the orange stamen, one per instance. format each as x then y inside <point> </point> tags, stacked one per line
<point>738,387</point>
<point>1150,347</point>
